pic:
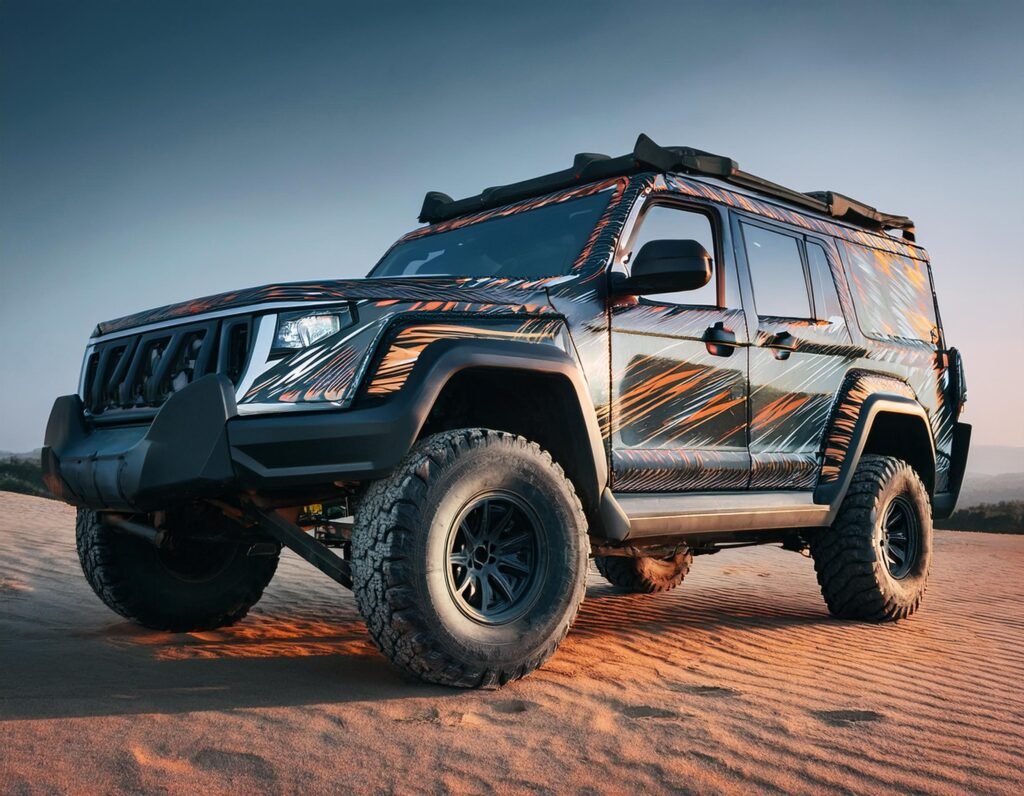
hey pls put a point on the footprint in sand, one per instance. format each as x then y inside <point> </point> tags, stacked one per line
<point>648,712</point>
<point>234,763</point>
<point>844,718</point>
<point>513,706</point>
<point>704,690</point>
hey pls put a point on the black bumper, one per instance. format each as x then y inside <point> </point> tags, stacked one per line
<point>183,452</point>
<point>199,446</point>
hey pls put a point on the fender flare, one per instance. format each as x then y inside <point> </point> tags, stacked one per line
<point>832,493</point>
<point>444,359</point>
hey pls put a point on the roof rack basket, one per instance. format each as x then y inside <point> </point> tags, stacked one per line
<point>648,156</point>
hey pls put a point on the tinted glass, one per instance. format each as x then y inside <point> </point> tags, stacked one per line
<point>527,245</point>
<point>780,289</point>
<point>891,293</point>
<point>661,222</point>
<point>826,299</point>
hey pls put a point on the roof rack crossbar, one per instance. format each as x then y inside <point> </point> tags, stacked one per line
<point>590,167</point>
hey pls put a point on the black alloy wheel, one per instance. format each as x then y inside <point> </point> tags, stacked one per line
<point>495,558</point>
<point>900,537</point>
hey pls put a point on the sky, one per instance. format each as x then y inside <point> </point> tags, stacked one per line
<point>154,152</point>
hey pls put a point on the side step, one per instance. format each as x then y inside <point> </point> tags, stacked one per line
<point>294,538</point>
<point>710,513</point>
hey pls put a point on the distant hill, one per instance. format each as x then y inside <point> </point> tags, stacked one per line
<point>34,455</point>
<point>1002,517</point>
<point>978,489</point>
<point>22,474</point>
<point>995,474</point>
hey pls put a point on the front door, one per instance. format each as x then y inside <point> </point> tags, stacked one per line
<point>679,370</point>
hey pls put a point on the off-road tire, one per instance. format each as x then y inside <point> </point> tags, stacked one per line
<point>645,575</point>
<point>850,558</point>
<point>135,580</point>
<point>402,566</point>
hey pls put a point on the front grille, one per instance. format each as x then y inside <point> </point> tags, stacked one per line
<point>140,372</point>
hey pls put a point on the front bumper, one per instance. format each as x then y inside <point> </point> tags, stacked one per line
<point>199,446</point>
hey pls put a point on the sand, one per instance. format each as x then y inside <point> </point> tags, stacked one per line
<point>737,681</point>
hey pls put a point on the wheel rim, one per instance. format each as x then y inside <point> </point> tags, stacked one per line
<point>495,561</point>
<point>901,537</point>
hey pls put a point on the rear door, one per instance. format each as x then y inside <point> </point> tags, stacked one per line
<point>799,353</point>
<point>679,369</point>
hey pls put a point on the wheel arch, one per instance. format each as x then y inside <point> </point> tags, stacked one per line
<point>533,389</point>
<point>540,404</point>
<point>890,424</point>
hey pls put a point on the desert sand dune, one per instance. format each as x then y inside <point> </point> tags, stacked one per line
<point>737,681</point>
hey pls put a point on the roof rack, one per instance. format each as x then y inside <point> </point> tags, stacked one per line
<point>648,156</point>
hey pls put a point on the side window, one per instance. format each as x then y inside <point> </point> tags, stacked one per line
<point>662,222</point>
<point>777,271</point>
<point>826,299</point>
<point>892,293</point>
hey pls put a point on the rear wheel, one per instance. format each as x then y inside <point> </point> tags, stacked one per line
<point>195,584</point>
<point>469,560</point>
<point>645,575</point>
<point>873,562</point>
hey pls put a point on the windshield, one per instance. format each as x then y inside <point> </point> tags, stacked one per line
<point>527,245</point>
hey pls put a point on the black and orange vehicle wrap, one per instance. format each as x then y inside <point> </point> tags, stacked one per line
<point>404,347</point>
<point>857,388</point>
<point>674,416</point>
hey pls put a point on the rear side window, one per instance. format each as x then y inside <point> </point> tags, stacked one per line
<point>826,299</point>
<point>892,294</point>
<point>777,271</point>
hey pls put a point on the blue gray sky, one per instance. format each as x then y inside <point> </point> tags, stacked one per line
<point>155,151</point>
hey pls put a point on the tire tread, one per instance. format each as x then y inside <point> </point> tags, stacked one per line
<point>387,520</point>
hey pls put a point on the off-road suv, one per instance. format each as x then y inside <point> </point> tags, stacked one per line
<point>644,359</point>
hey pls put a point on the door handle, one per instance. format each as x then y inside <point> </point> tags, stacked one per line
<point>719,339</point>
<point>782,344</point>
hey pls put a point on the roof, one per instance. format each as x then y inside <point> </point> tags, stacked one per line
<point>648,156</point>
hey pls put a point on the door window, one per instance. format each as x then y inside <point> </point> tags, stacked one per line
<point>777,271</point>
<point>663,222</point>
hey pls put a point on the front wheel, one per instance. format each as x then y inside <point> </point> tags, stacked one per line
<point>195,584</point>
<point>873,562</point>
<point>645,575</point>
<point>470,559</point>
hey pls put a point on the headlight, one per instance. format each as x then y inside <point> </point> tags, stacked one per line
<point>297,330</point>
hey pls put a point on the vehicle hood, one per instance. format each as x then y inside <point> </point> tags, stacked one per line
<point>444,290</point>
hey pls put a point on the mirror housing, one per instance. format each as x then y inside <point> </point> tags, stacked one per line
<point>667,266</point>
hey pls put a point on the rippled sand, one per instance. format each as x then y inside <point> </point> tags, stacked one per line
<point>737,681</point>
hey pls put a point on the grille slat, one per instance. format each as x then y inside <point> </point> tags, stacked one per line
<point>160,364</point>
<point>140,372</point>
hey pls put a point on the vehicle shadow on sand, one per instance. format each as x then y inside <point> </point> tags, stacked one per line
<point>285,654</point>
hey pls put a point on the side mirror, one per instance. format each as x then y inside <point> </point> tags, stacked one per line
<point>667,266</point>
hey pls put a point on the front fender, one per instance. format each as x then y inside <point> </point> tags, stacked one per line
<point>293,449</point>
